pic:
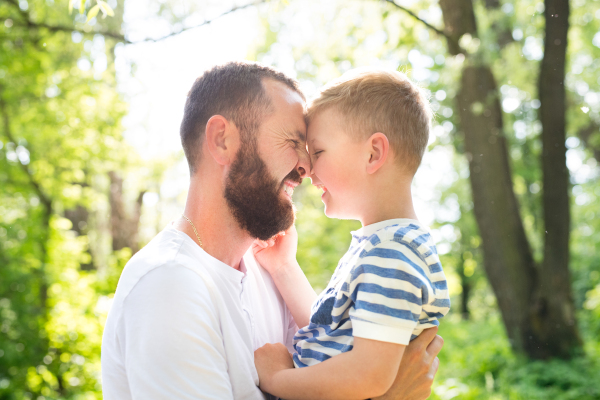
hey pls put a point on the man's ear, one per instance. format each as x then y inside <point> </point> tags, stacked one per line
<point>378,148</point>
<point>219,137</point>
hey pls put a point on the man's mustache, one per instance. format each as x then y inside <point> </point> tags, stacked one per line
<point>293,176</point>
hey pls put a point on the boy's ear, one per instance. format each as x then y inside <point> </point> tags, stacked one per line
<point>379,148</point>
<point>219,137</point>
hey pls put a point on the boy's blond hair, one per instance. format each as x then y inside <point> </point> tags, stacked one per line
<point>371,101</point>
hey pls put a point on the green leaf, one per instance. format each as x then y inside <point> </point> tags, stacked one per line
<point>81,6</point>
<point>106,9</point>
<point>93,12</point>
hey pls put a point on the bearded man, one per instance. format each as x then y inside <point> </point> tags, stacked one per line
<point>193,305</point>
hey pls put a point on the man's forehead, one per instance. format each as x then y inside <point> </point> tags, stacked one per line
<point>281,91</point>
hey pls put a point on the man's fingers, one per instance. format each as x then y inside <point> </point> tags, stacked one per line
<point>434,367</point>
<point>424,339</point>
<point>435,346</point>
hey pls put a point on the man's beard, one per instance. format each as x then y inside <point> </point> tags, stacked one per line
<point>254,197</point>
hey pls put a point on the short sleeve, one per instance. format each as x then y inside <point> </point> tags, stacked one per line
<point>174,346</point>
<point>388,288</point>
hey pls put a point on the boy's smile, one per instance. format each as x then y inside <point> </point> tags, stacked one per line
<point>335,165</point>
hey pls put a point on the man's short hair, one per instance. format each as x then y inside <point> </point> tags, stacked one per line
<point>235,91</point>
<point>371,101</point>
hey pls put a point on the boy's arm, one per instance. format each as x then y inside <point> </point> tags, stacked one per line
<point>368,370</point>
<point>278,257</point>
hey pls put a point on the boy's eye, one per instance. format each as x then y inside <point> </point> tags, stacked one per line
<point>316,153</point>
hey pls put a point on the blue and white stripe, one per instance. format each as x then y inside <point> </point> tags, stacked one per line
<point>389,286</point>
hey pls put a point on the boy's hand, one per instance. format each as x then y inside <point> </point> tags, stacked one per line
<point>270,359</point>
<point>278,251</point>
<point>417,369</point>
<point>278,257</point>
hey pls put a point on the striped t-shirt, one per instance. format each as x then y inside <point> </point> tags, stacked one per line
<point>389,286</point>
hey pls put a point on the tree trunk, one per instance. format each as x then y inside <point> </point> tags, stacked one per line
<point>459,19</point>
<point>124,228</point>
<point>507,257</point>
<point>502,30</point>
<point>466,292</point>
<point>536,307</point>
<point>554,321</point>
<point>585,135</point>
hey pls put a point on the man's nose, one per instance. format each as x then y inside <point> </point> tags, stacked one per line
<point>303,167</point>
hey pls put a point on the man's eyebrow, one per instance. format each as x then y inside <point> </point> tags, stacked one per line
<point>300,135</point>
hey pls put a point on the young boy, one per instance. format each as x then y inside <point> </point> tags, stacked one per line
<point>367,133</point>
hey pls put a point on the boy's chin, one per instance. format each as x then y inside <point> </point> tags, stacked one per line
<point>329,212</point>
<point>337,214</point>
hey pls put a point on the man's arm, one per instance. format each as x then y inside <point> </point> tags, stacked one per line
<point>173,344</point>
<point>417,369</point>
<point>278,257</point>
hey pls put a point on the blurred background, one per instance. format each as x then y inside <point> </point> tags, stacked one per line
<point>91,168</point>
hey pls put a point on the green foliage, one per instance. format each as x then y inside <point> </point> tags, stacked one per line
<point>477,363</point>
<point>60,133</point>
<point>93,11</point>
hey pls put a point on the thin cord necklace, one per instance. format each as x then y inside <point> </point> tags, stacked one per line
<point>194,228</point>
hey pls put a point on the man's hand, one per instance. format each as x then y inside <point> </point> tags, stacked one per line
<point>270,359</point>
<point>417,369</point>
<point>277,252</point>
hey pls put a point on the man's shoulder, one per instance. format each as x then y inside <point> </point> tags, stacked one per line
<point>163,248</point>
<point>162,257</point>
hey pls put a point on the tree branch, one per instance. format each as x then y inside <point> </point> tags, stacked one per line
<point>24,14</point>
<point>58,28</point>
<point>6,125</point>
<point>585,135</point>
<point>416,17</point>
<point>205,22</point>
<point>120,37</point>
<point>46,202</point>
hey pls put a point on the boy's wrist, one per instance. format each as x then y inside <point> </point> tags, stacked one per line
<point>284,268</point>
<point>275,382</point>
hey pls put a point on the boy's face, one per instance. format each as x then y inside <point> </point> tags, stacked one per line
<point>336,160</point>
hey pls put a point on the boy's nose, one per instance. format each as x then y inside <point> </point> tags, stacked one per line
<point>315,179</point>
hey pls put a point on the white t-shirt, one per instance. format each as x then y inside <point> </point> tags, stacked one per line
<point>184,325</point>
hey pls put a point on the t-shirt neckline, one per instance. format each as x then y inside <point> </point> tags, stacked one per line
<point>368,230</point>
<point>217,265</point>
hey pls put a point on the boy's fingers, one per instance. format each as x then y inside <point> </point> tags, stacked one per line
<point>261,243</point>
